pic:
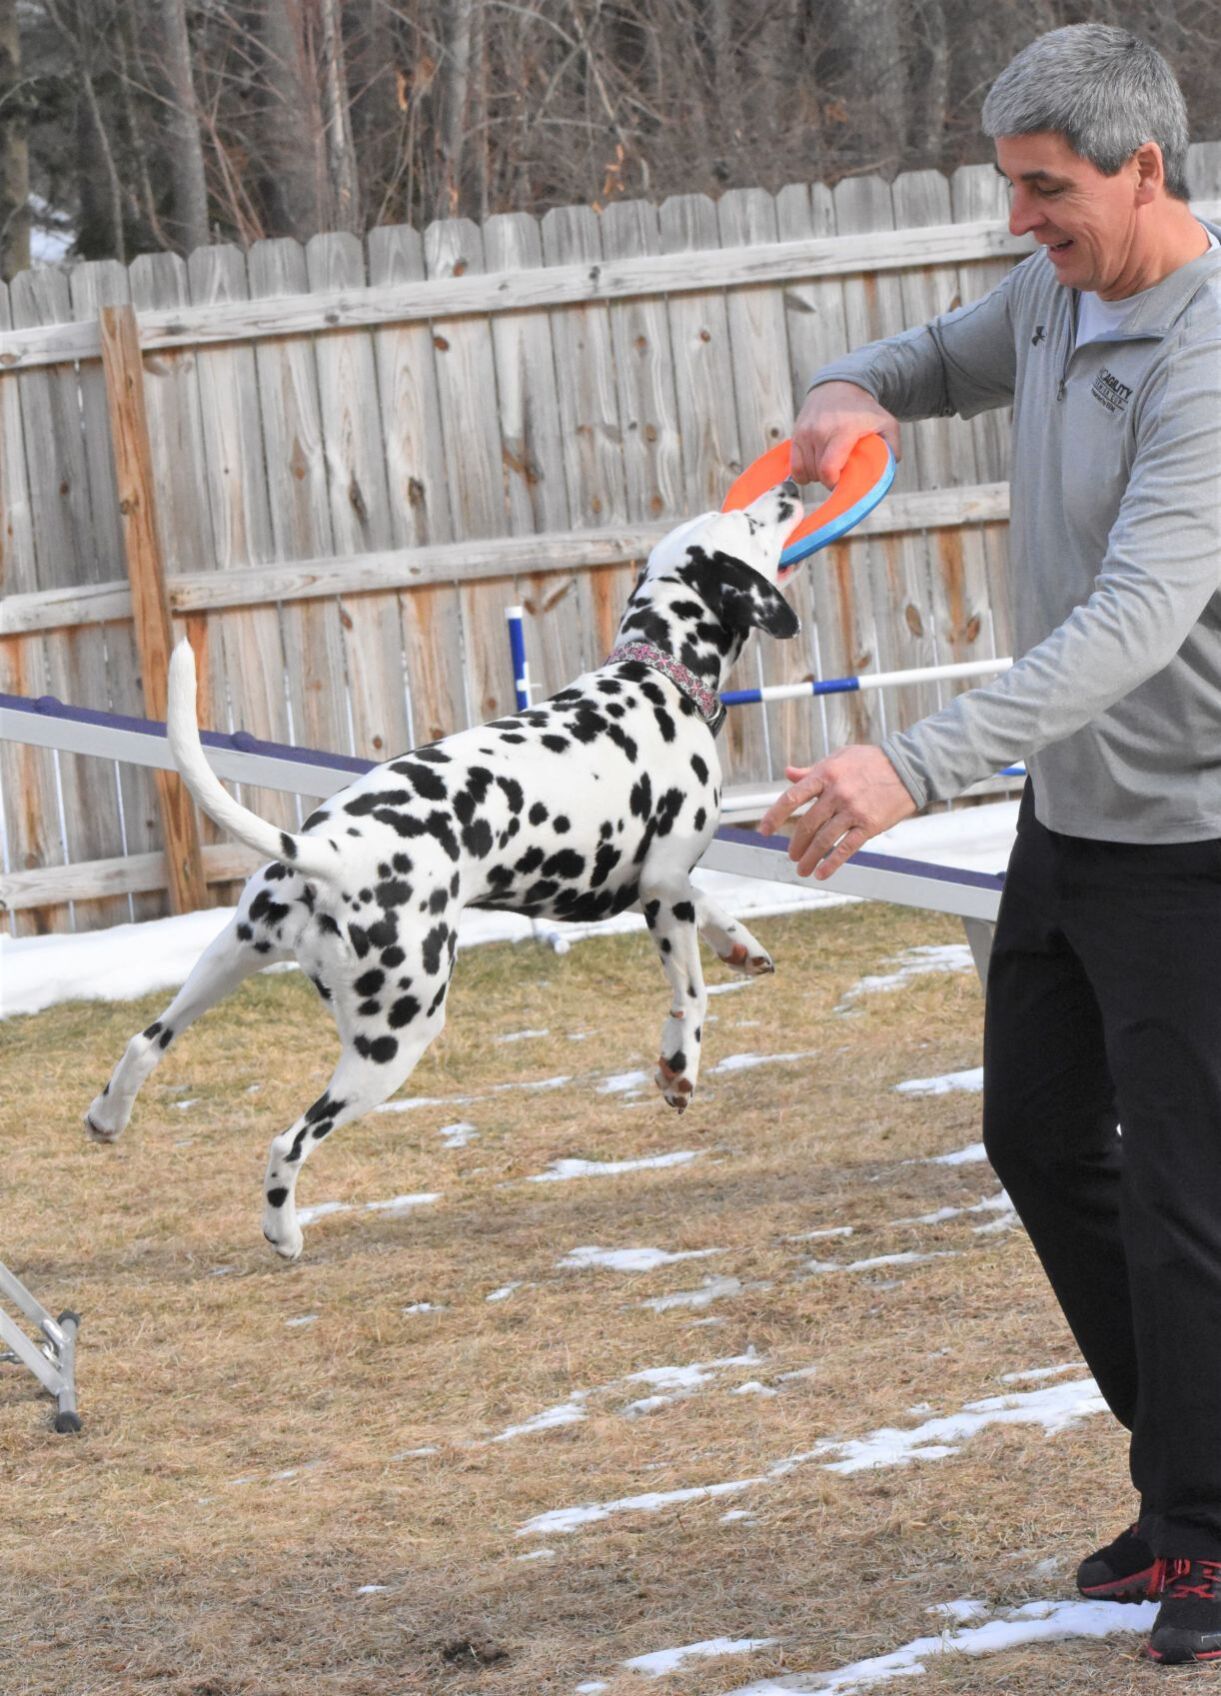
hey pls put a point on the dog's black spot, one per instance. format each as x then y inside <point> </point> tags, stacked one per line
<point>454,884</point>
<point>609,685</point>
<point>276,1198</point>
<point>555,744</point>
<point>430,953</point>
<point>287,846</point>
<point>428,784</point>
<point>665,945</point>
<point>318,984</point>
<point>699,767</point>
<point>393,893</point>
<point>405,1009</point>
<point>605,861</point>
<point>654,693</point>
<point>359,939</point>
<point>530,861</point>
<point>677,1062</point>
<point>685,911</point>
<point>477,839</point>
<point>566,863</point>
<point>276,871</point>
<point>665,724</point>
<point>500,877</point>
<point>392,957</point>
<point>543,890</point>
<point>154,1030</point>
<point>620,736</point>
<point>262,948</point>
<point>244,933</point>
<point>361,805</point>
<point>384,932</point>
<point>433,753</point>
<point>437,999</point>
<point>513,793</point>
<point>701,818</point>
<point>641,797</point>
<point>365,895</point>
<point>538,813</point>
<point>438,901</point>
<point>668,808</point>
<point>381,1050</point>
<point>263,907</point>
<point>315,818</point>
<point>327,923</point>
<point>368,1008</point>
<point>512,737</point>
<point>368,983</point>
<point>651,910</point>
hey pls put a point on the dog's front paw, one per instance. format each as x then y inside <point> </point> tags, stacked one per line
<point>753,962</point>
<point>100,1122</point>
<point>287,1247</point>
<point>283,1233</point>
<point>674,1083</point>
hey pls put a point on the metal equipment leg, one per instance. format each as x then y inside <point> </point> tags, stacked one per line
<point>54,1364</point>
<point>979,938</point>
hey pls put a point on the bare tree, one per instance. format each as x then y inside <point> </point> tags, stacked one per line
<point>187,221</point>
<point>14,149</point>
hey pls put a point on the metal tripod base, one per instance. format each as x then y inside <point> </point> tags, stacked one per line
<point>54,1363</point>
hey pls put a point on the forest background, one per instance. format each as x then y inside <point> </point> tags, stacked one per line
<point>135,126</point>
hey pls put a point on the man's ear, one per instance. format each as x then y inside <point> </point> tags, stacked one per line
<point>741,599</point>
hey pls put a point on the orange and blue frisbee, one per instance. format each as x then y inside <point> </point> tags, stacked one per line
<point>867,475</point>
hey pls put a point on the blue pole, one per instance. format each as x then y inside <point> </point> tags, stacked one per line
<point>517,648</point>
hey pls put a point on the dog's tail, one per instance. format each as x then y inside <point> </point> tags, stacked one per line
<point>312,856</point>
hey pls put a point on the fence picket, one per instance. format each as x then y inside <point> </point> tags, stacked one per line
<point>532,447</point>
<point>246,664</point>
<point>65,476</point>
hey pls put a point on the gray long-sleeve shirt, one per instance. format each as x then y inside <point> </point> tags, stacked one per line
<point>1114,699</point>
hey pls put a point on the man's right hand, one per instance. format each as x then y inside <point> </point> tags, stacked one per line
<point>830,424</point>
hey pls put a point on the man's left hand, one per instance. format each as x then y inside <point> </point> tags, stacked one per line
<point>856,792</point>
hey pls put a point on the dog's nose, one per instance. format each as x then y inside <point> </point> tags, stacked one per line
<point>789,487</point>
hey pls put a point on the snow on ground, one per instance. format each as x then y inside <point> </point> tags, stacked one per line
<point>914,963</point>
<point>972,1081</point>
<point>560,1171</point>
<point>631,1259</point>
<point>1035,1622</point>
<point>1056,1408</point>
<point>132,960</point>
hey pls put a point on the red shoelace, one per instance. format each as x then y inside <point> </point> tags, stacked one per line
<point>1178,1579</point>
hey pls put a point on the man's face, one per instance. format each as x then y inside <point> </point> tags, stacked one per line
<point>1086,221</point>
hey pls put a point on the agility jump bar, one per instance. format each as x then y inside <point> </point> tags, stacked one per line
<point>868,680</point>
<point>240,757</point>
<point>48,723</point>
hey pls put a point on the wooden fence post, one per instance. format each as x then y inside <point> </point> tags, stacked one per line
<point>150,605</point>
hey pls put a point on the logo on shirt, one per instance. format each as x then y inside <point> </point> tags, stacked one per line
<point>1040,335</point>
<point>1110,392</point>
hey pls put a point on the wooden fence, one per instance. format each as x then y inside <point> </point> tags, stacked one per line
<point>359,455</point>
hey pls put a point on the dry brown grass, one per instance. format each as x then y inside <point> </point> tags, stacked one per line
<point>240,1478</point>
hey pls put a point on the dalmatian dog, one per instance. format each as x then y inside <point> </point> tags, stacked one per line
<point>604,796</point>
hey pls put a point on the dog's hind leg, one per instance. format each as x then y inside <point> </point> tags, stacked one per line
<point>731,941</point>
<point>669,906</point>
<point>361,1081</point>
<point>225,962</point>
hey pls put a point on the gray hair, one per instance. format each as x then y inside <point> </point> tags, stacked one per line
<point>1103,89</point>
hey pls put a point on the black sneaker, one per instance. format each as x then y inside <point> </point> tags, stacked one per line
<point>1188,1623</point>
<point>1125,1571</point>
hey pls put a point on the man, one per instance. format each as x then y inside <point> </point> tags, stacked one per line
<point>1104,992</point>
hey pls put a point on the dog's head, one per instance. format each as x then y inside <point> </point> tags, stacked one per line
<point>712,581</point>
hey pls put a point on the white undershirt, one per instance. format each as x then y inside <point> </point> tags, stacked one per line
<point>1098,318</point>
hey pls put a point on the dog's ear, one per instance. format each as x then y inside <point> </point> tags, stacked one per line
<point>741,599</point>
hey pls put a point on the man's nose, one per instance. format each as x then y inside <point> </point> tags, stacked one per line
<point>1024,216</point>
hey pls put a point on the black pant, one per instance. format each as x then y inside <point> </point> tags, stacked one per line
<point>1104,1011</point>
